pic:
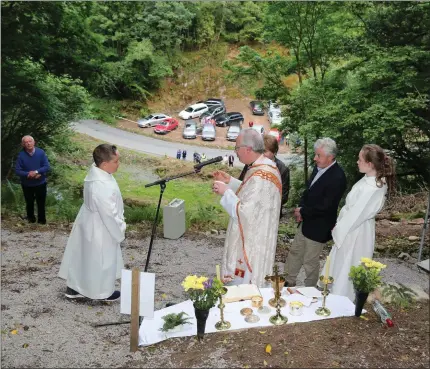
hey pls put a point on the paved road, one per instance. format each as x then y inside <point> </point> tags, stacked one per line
<point>150,145</point>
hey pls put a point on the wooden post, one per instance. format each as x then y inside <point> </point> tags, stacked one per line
<point>135,302</point>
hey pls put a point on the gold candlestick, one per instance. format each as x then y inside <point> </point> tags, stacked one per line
<point>323,310</point>
<point>222,324</point>
<point>278,319</point>
<point>277,285</point>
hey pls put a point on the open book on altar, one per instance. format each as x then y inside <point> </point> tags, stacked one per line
<point>241,292</point>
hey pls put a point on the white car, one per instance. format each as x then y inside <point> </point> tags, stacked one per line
<point>233,132</point>
<point>151,120</point>
<point>275,118</point>
<point>193,111</point>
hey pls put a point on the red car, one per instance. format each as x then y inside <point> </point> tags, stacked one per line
<point>274,132</point>
<point>166,126</point>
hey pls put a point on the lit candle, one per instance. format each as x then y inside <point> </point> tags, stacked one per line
<point>218,273</point>
<point>327,267</point>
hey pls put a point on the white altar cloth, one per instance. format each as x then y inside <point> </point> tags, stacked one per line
<point>149,332</point>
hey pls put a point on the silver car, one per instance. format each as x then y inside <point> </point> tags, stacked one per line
<point>190,130</point>
<point>151,120</point>
<point>208,132</point>
<point>232,132</point>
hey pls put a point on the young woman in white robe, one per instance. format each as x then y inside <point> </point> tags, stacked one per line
<point>354,233</point>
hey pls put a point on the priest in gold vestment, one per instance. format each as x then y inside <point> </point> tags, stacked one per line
<point>254,207</point>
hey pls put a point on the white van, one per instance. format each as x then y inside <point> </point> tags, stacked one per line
<point>193,111</point>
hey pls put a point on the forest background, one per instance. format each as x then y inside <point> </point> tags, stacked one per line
<point>361,75</point>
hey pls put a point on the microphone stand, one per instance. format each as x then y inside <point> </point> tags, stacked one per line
<point>162,183</point>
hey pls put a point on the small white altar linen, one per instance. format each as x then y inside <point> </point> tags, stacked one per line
<point>149,332</point>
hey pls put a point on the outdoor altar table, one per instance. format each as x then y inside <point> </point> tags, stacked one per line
<point>149,332</point>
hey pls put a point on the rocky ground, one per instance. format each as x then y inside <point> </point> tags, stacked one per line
<point>40,328</point>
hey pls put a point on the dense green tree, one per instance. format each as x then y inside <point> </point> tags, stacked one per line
<point>35,103</point>
<point>380,96</point>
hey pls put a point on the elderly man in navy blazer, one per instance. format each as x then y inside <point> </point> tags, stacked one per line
<point>316,213</point>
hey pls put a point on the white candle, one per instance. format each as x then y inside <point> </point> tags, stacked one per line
<point>218,273</point>
<point>327,267</point>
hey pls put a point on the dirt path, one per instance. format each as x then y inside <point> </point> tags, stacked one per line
<point>53,332</point>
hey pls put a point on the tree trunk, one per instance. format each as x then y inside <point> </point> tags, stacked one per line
<point>305,149</point>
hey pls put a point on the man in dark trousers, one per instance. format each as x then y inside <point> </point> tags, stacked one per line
<point>184,154</point>
<point>316,213</point>
<point>230,160</point>
<point>271,148</point>
<point>31,166</point>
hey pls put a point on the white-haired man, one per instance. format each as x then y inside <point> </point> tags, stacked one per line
<point>254,206</point>
<point>32,166</point>
<point>316,213</point>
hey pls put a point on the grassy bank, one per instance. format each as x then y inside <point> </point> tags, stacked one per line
<point>69,170</point>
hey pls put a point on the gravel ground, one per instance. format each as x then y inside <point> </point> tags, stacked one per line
<point>54,332</point>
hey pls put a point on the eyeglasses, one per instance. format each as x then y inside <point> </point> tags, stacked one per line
<point>239,146</point>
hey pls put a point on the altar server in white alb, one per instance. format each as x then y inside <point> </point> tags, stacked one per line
<point>354,233</point>
<point>254,207</point>
<point>92,260</point>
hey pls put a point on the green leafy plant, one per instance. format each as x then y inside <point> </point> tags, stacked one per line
<point>204,292</point>
<point>366,276</point>
<point>173,320</point>
<point>400,296</point>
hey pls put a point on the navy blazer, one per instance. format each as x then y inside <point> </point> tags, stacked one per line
<point>319,203</point>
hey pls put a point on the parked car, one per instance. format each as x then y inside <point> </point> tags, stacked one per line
<point>212,113</point>
<point>257,107</point>
<point>166,126</point>
<point>193,111</point>
<point>208,132</point>
<point>258,128</point>
<point>275,117</point>
<point>190,130</point>
<point>224,120</point>
<point>151,120</point>
<point>232,132</point>
<point>275,133</point>
<point>212,102</point>
<point>273,105</point>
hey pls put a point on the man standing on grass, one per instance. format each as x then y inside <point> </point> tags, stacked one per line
<point>254,207</point>
<point>31,166</point>
<point>230,160</point>
<point>92,260</point>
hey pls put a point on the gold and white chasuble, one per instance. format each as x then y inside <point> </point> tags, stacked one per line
<point>252,233</point>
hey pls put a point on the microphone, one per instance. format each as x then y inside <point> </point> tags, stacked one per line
<point>207,162</point>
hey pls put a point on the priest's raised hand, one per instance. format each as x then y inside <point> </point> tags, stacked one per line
<point>221,176</point>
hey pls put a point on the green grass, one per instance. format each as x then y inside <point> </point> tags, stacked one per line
<point>70,167</point>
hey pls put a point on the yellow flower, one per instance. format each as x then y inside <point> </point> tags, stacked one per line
<point>369,263</point>
<point>193,282</point>
<point>379,265</point>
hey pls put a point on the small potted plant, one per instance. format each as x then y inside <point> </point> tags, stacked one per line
<point>174,322</point>
<point>365,278</point>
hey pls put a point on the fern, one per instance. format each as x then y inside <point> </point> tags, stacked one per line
<point>172,320</point>
<point>401,296</point>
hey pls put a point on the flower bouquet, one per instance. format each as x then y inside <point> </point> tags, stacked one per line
<point>204,293</point>
<point>365,279</point>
